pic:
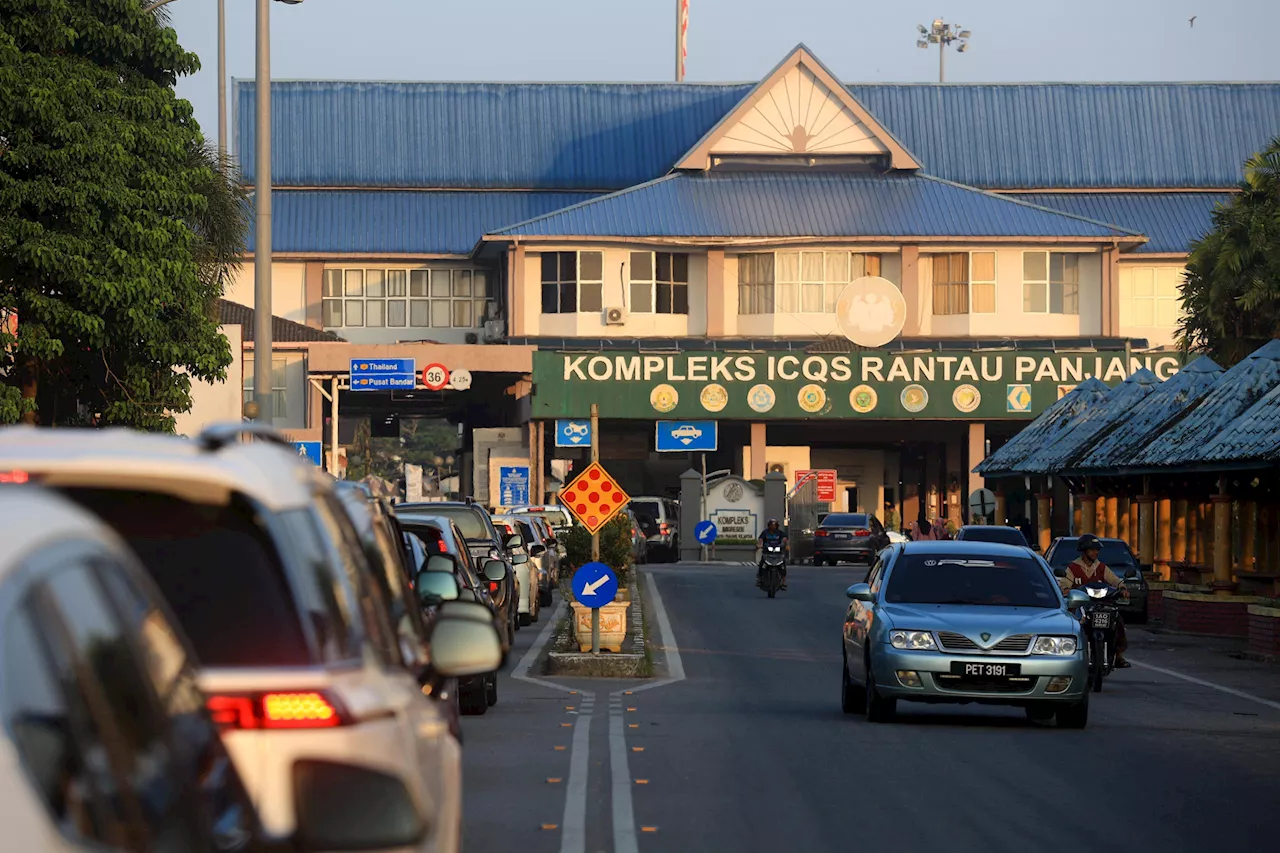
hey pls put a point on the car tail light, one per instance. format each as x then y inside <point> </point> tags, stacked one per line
<point>862,531</point>
<point>16,477</point>
<point>493,586</point>
<point>444,549</point>
<point>282,710</point>
<point>820,533</point>
<point>664,529</point>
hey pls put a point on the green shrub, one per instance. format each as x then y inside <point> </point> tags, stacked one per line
<point>615,546</point>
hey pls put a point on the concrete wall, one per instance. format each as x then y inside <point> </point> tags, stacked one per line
<point>212,402</point>
<point>288,289</point>
<point>792,459</point>
<point>506,443</point>
<point>1157,321</point>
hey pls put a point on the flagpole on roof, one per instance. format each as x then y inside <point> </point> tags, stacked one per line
<point>682,37</point>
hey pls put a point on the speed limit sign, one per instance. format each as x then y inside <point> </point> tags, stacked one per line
<point>435,376</point>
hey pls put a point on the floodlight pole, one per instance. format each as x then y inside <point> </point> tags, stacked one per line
<point>595,537</point>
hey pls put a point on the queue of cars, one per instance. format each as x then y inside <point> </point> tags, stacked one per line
<point>154,590</point>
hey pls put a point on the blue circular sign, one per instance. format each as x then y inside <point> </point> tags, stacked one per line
<point>594,585</point>
<point>705,532</point>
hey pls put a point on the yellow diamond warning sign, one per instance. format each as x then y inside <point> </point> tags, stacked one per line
<point>594,497</point>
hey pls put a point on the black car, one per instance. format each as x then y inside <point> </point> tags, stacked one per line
<point>992,533</point>
<point>484,542</point>
<point>851,537</point>
<point>1119,557</point>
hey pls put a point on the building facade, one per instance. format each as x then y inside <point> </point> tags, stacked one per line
<point>679,251</point>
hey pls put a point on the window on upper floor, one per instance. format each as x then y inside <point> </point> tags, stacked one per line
<point>659,283</point>
<point>1149,296</point>
<point>964,283</point>
<point>798,282</point>
<point>404,298</point>
<point>1050,283</point>
<point>288,389</point>
<point>572,282</point>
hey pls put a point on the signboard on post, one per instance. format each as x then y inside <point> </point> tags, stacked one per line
<point>679,436</point>
<point>826,479</point>
<point>312,451</point>
<point>705,532</point>
<point>573,433</point>
<point>513,485</point>
<point>594,585</point>
<point>594,497</point>
<point>435,376</point>
<point>982,504</point>
<point>735,524</point>
<point>383,374</point>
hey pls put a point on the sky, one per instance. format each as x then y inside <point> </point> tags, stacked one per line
<point>729,40</point>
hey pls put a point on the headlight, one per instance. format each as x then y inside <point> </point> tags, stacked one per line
<point>1097,591</point>
<point>913,640</point>
<point>1054,646</point>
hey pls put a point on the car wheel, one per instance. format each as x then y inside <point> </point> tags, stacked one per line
<point>879,709</point>
<point>1074,716</point>
<point>852,698</point>
<point>491,689</point>
<point>525,619</point>
<point>544,598</point>
<point>472,701</point>
<point>1039,713</point>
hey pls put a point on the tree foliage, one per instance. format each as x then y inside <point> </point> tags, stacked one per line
<point>118,223</point>
<point>1231,293</point>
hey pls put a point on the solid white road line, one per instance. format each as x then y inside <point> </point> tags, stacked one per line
<point>521,671</point>
<point>675,666</point>
<point>573,826</point>
<point>1219,687</point>
<point>624,819</point>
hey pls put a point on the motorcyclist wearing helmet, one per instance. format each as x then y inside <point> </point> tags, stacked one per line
<point>1087,568</point>
<point>773,535</point>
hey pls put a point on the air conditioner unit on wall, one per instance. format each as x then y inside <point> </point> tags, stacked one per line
<point>777,468</point>
<point>615,316</point>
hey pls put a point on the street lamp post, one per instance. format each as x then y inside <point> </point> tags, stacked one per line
<point>942,34</point>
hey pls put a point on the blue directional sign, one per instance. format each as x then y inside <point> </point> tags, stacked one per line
<point>312,451</point>
<point>594,585</point>
<point>513,485</point>
<point>573,433</point>
<point>705,532</point>
<point>678,436</point>
<point>383,374</point>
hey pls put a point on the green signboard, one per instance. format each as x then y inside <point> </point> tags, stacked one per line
<point>795,385</point>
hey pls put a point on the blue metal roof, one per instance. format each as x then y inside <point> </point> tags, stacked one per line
<point>1254,436</point>
<point>583,136</point>
<point>400,222</point>
<point>806,204</point>
<point>1091,423</point>
<point>1170,220</point>
<point>1145,419</point>
<point>1232,395</point>
<point>602,136</point>
<point>1052,423</point>
<point>1078,135</point>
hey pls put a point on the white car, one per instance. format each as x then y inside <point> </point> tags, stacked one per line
<point>300,662</point>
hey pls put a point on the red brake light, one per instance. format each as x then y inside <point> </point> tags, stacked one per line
<point>441,545</point>
<point>664,528</point>
<point>493,586</point>
<point>862,531</point>
<point>294,710</point>
<point>820,532</point>
<point>16,477</point>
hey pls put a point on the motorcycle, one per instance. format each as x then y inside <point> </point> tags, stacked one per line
<point>1100,618</point>
<point>772,563</point>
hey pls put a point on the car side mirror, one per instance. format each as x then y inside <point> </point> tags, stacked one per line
<point>435,587</point>
<point>344,807</point>
<point>495,570</point>
<point>464,645</point>
<point>466,608</point>
<point>860,592</point>
<point>1076,599</point>
<point>538,550</point>
<point>514,541</point>
<point>440,563</point>
<point>519,559</point>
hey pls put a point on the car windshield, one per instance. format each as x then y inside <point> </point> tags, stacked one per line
<point>469,522</point>
<point>1004,535</point>
<point>649,508</point>
<point>845,519</point>
<point>1112,553</point>
<point>980,579</point>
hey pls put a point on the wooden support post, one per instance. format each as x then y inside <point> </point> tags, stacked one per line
<point>1248,536</point>
<point>1111,514</point>
<point>1164,510</point>
<point>1223,582</point>
<point>1087,507</point>
<point>1123,507</point>
<point>1002,509</point>
<point>1178,540</point>
<point>1044,507</point>
<point>1146,530</point>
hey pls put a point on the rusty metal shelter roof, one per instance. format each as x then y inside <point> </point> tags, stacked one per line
<point>1044,430</point>
<point>1252,437</point>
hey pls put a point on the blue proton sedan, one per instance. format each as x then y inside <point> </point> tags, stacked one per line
<point>960,622</point>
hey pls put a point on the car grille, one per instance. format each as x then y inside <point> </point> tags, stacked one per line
<point>976,684</point>
<point>953,642</point>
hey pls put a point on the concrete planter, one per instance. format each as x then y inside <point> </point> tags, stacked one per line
<point>1208,615</point>
<point>1264,630</point>
<point>613,625</point>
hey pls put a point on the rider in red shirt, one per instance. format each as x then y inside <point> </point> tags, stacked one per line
<point>1087,568</point>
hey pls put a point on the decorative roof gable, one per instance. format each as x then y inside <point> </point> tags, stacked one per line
<point>799,109</point>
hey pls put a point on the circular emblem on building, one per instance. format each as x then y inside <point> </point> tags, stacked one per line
<point>761,398</point>
<point>664,398</point>
<point>914,398</point>
<point>863,398</point>
<point>714,398</point>
<point>812,398</point>
<point>966,398</point>
<point>733,492</point>
<point>871,311</point>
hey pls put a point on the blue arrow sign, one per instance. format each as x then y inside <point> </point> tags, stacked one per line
<point>310,451</point>
<point>594,585</point>
<point>573,433</point>
<point>705,532</point>
<point>677,436</point>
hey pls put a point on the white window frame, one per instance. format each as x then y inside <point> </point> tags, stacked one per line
<point>578,282</point>
<point>969,283</point>
<point>1047,281</point>
<point>652,283</point>
<point>1129,300</point>
<point>349,288</point>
